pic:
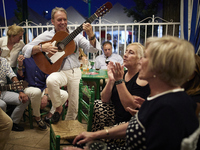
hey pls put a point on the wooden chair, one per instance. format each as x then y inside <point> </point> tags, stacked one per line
<point>67,130</point>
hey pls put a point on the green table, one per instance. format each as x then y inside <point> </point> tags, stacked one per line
<point>92,76</point>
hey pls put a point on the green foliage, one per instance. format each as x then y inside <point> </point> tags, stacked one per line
<point>143,9</point>
<point>18,11</point>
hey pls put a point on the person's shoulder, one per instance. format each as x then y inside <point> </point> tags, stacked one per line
<point>99,57</point>
<point>142,82</point>
<point>21,43</point>
<point>2,59</point>
<point>3,38</point>
<point>49,31</point>
<point>116,55</point>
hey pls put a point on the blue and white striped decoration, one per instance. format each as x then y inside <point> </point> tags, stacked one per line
<point>190,22</point>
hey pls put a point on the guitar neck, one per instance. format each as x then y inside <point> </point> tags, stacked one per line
<point>15,86</point>
<point>78,30</point>
<point>6,87</point>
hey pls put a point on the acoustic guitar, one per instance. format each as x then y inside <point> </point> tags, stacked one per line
<point>15,86</point>
<point>49,63</point>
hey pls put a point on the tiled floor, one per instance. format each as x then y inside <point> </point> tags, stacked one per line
<point>29,139</point>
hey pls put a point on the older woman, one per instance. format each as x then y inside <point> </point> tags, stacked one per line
<point>11,44</point>
<point>168,114</point>
<point>123,89</point>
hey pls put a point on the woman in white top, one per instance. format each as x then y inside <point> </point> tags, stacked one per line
<point>12,44</point>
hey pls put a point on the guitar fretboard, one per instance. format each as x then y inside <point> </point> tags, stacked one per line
<point>15,86</point>
<point>77,30</point>
<point>5,87</point>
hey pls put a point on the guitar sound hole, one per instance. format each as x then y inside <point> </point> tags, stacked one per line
<point>60,46</point>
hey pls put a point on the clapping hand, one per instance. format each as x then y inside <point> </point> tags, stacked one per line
<point>118,71</point>
<point>109,71</point>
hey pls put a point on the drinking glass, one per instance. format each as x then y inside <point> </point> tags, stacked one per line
<point>107,61</point>
<point>97,67</point>
<point>85,66</point>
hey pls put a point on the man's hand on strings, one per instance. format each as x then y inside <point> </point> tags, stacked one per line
<point>49,48</point>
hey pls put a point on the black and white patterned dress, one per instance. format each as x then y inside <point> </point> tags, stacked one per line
<point>135,137</point>
<point>114,113</point>
<point>161,123</point>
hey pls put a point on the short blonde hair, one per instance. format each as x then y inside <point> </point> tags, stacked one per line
<point>171,58</point>
<point>57,9</point>
<point>139,50</point>
<point>14,30</point>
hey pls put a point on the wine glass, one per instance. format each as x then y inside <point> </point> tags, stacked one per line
<point>107,61</point>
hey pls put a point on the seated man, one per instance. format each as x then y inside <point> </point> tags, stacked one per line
<point>69,74</point>
<point>37,90</point>
<point>12,98</point>
<point>107,56</point>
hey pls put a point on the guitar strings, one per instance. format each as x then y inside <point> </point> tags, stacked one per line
<point>77,31</point>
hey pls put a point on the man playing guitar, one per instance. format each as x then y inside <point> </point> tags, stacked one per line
<point>69,73</point>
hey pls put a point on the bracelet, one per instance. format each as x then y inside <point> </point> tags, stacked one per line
<point>20,66</point>
<point>119,81</point>
<point>19,69</point>
<point>40,47</point>
<point>92,38</point>
<point>107,133</point>
<point>46,94</point>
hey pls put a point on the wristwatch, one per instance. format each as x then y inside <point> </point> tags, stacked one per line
<point>46,94</point>
<point>119,81</point>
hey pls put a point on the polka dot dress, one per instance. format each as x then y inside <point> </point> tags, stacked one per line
<point>135,137</point>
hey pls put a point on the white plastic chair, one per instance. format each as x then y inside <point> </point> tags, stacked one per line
<point>190,143</point>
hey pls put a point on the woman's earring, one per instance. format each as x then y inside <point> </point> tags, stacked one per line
<point>154,76</point>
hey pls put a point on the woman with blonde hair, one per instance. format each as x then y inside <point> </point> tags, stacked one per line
<point>123,89</point>
<point>168,114</point>
<point>12,44</point>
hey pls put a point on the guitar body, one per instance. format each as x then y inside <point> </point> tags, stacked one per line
<point>43,63</point>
